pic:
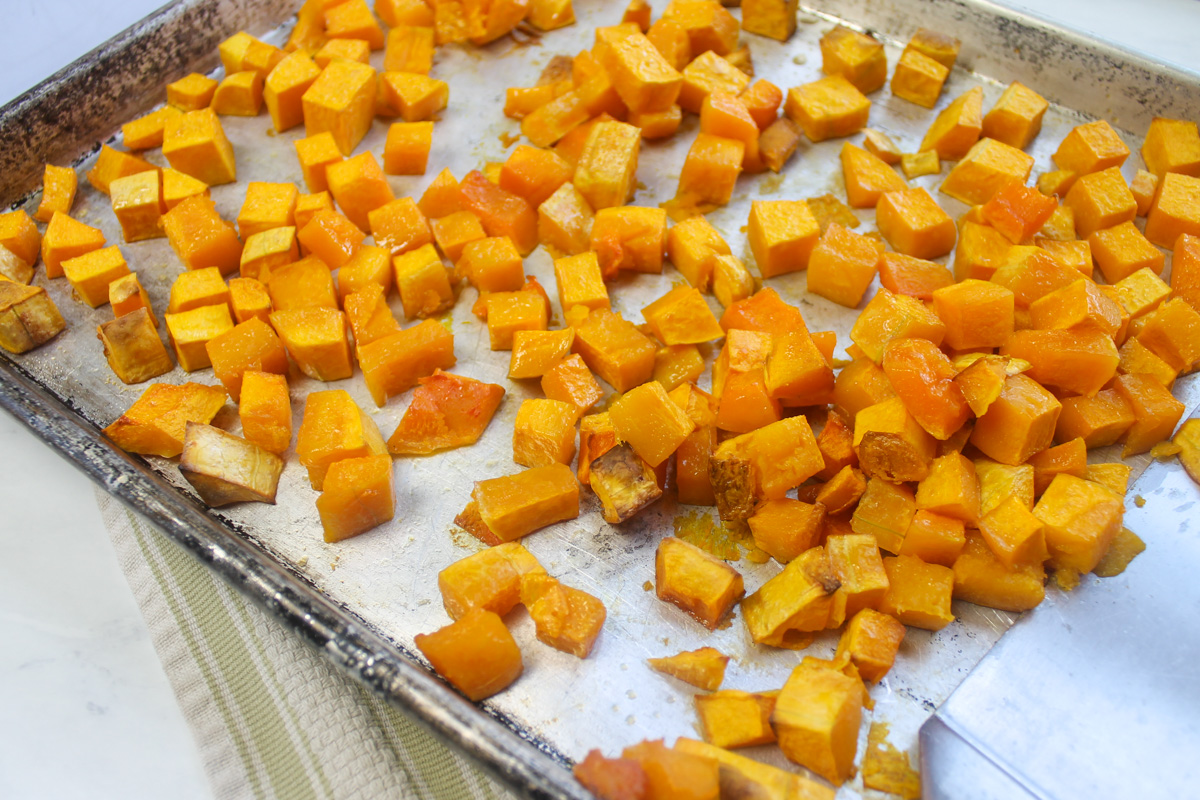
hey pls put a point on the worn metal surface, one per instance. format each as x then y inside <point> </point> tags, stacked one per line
<point>363,600</point>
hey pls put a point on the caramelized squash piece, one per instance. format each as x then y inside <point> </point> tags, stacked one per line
<point>505,509</point>
<point>566,618</point>
<point>701,585</point>
<point>157,422</point>
<point>703,668</point>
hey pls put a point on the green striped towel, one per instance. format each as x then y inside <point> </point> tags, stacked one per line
<point>271,717</point>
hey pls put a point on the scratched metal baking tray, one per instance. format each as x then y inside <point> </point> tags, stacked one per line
<point>363,600</point>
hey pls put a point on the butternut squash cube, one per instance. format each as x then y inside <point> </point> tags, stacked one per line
<point>267,206</point>
<point>548,15</point>
<point>709,173</point>
<point>650,422</point>
<point>871,642</point>
<point>668,772</point>
<point>200,237</point>
<point>191,331</point>
<point>1172,145</point>
<point>316,339</point>
<point>270,251</point>
<point>248,298</point>
<point>977,314</point>
<point>1155,413</point>
<point>195,144</point>
<point>998,481</point>
<point>642,77</point>
<point>507,508</point>
<point>733,718</point>
<point>1173,212</point>
<point>981,578</point>
<point>708,73</point>
<point>924,380</point>
<point>284,89</point>
<point>624,483</point>
<point>488,580</point>
<point>476,654</point>
<point>700,585</point>
<point>395,363</point>
<point>867,177</point>
<point>334,428</point>
<point>501,213</point>
<point>225,469</point>
<point>1077,306</point>
<point>1019,423</point>
<point>779,457</point>
<point>65,238</point>
<point>828,108</point>
<point>709,26</point>
<point>409,48</point>
<point>1081,518</point>
<point>331,237</point>
<point>775,19</point>
<point>156,423</point>
<point>885,512</point>
<point>891,316</point>
<point>1100,420</point>
<point>91,273</point>
<point>565,220</point>
<point>250,345</point>
<point>1101,200</point>
<point>951,489</point>
<point>509,312</point>
<point>797,372</point>
<point>29,318</point>
<point>916,165</point>
<point>127,295</point>
<point>816,719</point>
<point>131,342</point>
<point>1014,535</point>
<point>682,316</point>
<point>918,593</point>
<point>1016,119</point>
<point>143,133</point>
<point>415,96</point>
<point>782,234</point>
<point>306,283</point>
<point>914,224</point>
<point>786,528</point>
<point>1091,147</point>
<point>544,433</point>
<point>793,603</point>
<point>855,56</point>
<point>534,173</point>
<point>446,411</point>
<point>615,349</point>
<point>138,205</point>
<point>1019,211</point>
<point>934,538</point>
<point>534,353</point>
<point>985,169</point>
<point>1080,361</point>
<point>580,282</point>
<point>691,245</point>
<point>342,101</point>
<point>239,95</point>
<point>423,282</point>
<point>857,566</point>
<point>566,618</point>
<point>778,142</point>
<point>914,277</point>
<point>918,78</point>
<point>265,410</point>
<point>980,252</point>
<point>112,164</point>
<point>957,127</point>
<point>178,187</point>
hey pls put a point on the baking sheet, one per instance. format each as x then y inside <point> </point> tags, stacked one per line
<point>387,577</point>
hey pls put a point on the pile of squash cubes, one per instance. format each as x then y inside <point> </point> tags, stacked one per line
<point>949,455</point>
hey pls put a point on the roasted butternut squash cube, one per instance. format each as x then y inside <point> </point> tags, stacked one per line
<point>1155,411</point>
<point>488,580</point>
<point>828,108</point>
<point>871,642</point>
<point>980,252</point>
<point>891,443</point>
<point>867,177</point>
<point>650,422</point>
<point>782,234</point>
<point>195,144</point>
<point>1077,306</point>
<point>200,237</point>
<point>792,604</point>
<point>855,56</point>
<point>156,423</point>
<point>131,342</point>
<point>268,251</point>
<point>918,78</point>
<point>565,220</point>
<point>1172,332</point>
<point>507,508</point>
<point>395,363</point>
<point>265,410</point>
<point>934,538</point>
<point>191,331</point>
<point>65,238</point>
<point>985,169</point>
<point>642,77</point>
<point>284,89</point>
<point>1173,212</point>
<point>509,312</point>
<point>1018,211</point>
<point>817,716</point>
<point>1101,200</point>
<point>423,282</point>
<point>501,213</point>
<point>178,187</point>
<point>956,129</point>
<point>699,584</point>
<point>708,25</point>
<point>914,224</point>
<point>623,482</point>
<point>334,428</point>
<point>566,618</point>
<point>127,295</point>
<point>1080,361</point>
<point>1099,421</point>
<point>733,718</point>
<point>267,206</point>
<point>1091,147</point>
<point>580,282</point>
<point>998,481</point>
<point>544,433</point>
<point>475,653</point>
<point>91,273</point>
<point>891,316</point>
<point>1172,145</point>
<point>914,277</point>
<point>225,469</point>
<point>1016,119</point>
<point>924,380</point>
<point>534,353</point>
<point>777,457</point>
<point>342,101</point>
<point>977,314</point>
<point>797,372</point>
<point>786,528</point>
<point>709,173</point>
<point>138,205</point>
<point>981,578</point>
<point>112,164</point>
<point>607,168</point>
<point>673,773</point>
<point>615,350</point>
<point>446,411</point>
<point>951,489</point>
<point>250,345</point>
<point>1014,534</point>
<point>249,298</point>
<point>918,593</point>
<point>691,245</point>
<point>143,133</point>
<point>306,283</point>
<point>885,512</point>
<point>350,49</point>
<point>856,564</point>
<point>415,96</point>
<point>1019,423</point>
<point>682,316</point>
<point>1081,518</point>
<point>316,339</point>
<point>29,318</point>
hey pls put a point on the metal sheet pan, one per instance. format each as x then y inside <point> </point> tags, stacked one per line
<point>363,600</point>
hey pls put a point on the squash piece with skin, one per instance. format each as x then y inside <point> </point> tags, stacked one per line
<point>446,411</point>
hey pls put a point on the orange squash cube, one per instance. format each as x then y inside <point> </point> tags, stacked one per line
<point>191,331</point>
<point>544,433</point>
<point>267,206</point>
<point>980,252</point>
<point>708,73</point>
<point>350,49</point>
<point>157,421</point>
<point>304,284</point>
<point>1076,306</point>
<point>976,314</point>
<point>200,237</point>
<point>143,133</point>
<point>131,343</point>
<point>423,282</point>
<point>782,234</point>
<point>918,78</point>
<point>642,77</point>
<point>195,144</point>
<point>923,378</point>
<point>857,565</point>
<point>681,316</point>
<point>565,220</point>
<point>447,411</point>
<point>270,250</point>
<point>138,205</point>
<point>358,495</point>
<point>817,717</point>
<point>691,245</point>
<point>91,273</point>
<point>315,154</point>
<point>341,101</point>
<point>786,528</point>
<point>842,265</point>
<point>566,618</point>
<point>284,89</point>
<point>19,235</point>
<point>934,538</point>
<point>316,339</point>
<point>697,583</point>
<point>476,654</point>
<point>509,312</point>
<point>1101,200</point>
<point>615,349</point>
<point>571,382</point>
<point>828,108</point>
<point>490,265</point>
<point>265,410</point>
<point>112,164</point>
<point>708,27</point>
<point>127,295</point>
<point>65,239</point>
<point>1174,210</point>
<point>534,173</point>
<point>415,96</point>
<point>1073,361</point>
<point>1172,145</point>
<point>797,372</point>
<point>914,224</point>
<point>395,363</point>
<point>981,578</point>
<point>1019,423</point>
<point>781,456</point>
<point>891,443</point>
<point>793,603</point>
<point>985,169</point>
<point>248,298</point>
<point>1080,520</point>
<point>1018,211</point>
<point>891,316</point>
<point>249,346</point>
<point>918,593</point>
<point>951,489</point>
<point>501,213</point>
<point>178,187</point>
<point>334,428</point>
<point>406,151</point>
<point>855,56</point>
<point>650,422</point>
<point>360,188</point>
<point>489,580</point>
<point>507,508</point>
<point>1099,420</point>
<point>870,642</point>
<point>867,177</point>
<point>910,276</point>
<point>957,127</point>
<point>332,238</point>
<point>369,315</point>
<point>777,143</point>
<point>239,95</point>
<point>1155,413</point>
<point>1016,119</point>
<point>1091,147</point>
<point>580,282</point>
<point>709,173</point>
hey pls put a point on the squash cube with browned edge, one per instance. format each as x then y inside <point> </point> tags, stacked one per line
<point>918,78</point>
<point>816,719</point>
<point>1019,423</point>
<point>395,363</point>
<point>250,345</point>
<point>132,346</point>
<point>225,469</point>
<point>127,295</point>
<point>195,144</point>
<point>855,56</point>
<point>447,411</point>
<point>505,509</point>
<point>703,586</point>
<point>1016,118</point>
<point>794,603</point>
<point>985,169</point>
<point>29,318</point>
<point>265,410</point>
<point>156,423</point>
<point>623,481</point>
<point>1174,210</point>
<point>316,339</point>
<point>891,444</point>
<point>200,237</point>
<point>137,203</point>
<point>703,668</point>
<point>476,654</point>
<point>828,108</point>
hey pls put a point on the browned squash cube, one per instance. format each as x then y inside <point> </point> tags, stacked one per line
<point>691,579</point>
<point>792,604</point>
<point>157,422</point>
<point>29,318</point>
<point>225,469</point>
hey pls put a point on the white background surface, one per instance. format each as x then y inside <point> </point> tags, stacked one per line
<point>85,710</point>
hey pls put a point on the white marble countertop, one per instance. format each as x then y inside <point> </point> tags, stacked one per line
<point>87,711</point>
